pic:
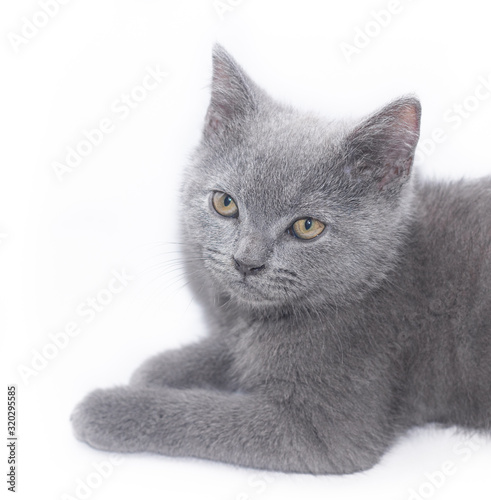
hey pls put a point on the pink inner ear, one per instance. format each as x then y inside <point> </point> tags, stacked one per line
<point>409,117</point>
<point>399,166</point>
<point>231,97</point>
<point>221,74</point>
<point>396,172</point>
<point>219,114</point>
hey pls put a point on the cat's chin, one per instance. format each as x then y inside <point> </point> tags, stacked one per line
<point>245,294</point>
<point>242,292</point>
<point>257,302</point>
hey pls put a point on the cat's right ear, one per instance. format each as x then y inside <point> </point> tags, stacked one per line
<point>381,149</point>
<point>232,94</point>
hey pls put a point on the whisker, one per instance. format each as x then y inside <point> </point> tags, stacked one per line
<point>286,271</point>
<point>213,250</point>
<point>160,293</point>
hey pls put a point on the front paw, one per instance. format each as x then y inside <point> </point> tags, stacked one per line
<point>153,373</point>
<point>114,420</point>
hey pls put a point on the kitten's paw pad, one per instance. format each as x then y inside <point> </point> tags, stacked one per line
<point>112,420</point>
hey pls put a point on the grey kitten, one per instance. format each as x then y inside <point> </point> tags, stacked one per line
<point>347,300</point>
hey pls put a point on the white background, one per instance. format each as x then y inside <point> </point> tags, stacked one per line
<point>61,239</point>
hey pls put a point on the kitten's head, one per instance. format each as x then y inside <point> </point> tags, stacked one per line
<point>284,208</point>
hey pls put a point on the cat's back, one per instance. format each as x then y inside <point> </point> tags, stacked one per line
<point>448,284</point>
<point>454,220</point>
<point>452,246</point>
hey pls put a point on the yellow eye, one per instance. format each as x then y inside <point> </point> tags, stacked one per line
<point>308,228</point>
<point>224,204</point>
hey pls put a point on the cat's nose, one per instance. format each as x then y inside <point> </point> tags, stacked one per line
<point>247,268</point>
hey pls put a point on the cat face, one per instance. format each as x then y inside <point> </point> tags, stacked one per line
<point>286,208</point>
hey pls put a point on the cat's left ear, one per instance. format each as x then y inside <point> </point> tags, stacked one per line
<point>233,94</point>
<point>382,147</point>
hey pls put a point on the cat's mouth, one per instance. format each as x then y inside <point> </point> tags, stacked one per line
<point>267,287</point>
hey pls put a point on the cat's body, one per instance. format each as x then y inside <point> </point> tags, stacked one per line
<point>321,350</point>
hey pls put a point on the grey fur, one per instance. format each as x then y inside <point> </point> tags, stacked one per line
<point>320,360</point>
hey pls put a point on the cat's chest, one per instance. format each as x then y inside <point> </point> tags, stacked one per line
<point>276,353</point>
